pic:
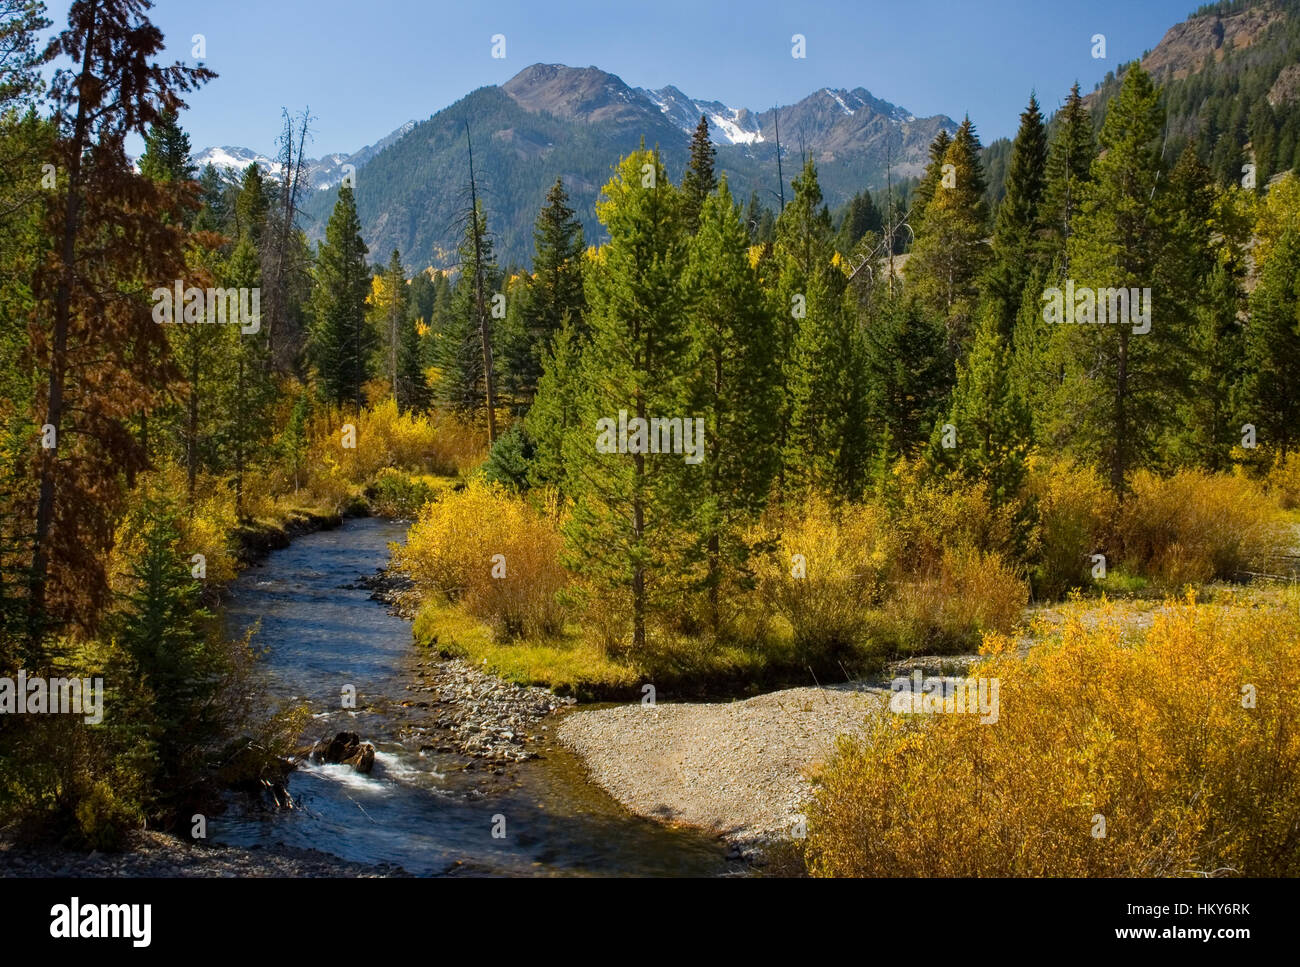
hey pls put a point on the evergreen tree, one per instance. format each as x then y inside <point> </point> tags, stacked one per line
<point>166,639</point>
<point>214,214</point>
<point>1069,163</point>
<point>389,309</point>
<point>251,205</point>
<point>166,154</point>
<point>413,391</point>
<point>930,178</point>
<point>628,532</point>
<point>908,376</point>
<point>554,289</point>
<point>462,384</point>
<point>861,217</point>
<point>1018,220</point>
<point>989,418</point>
<point>520,353</point>
<point>736,389</point>
<point>554,413</point>
<point>247,400</point>
<point>1122,386</point>
<point>699,181</point>
<point>423,295</point>
<point>1269,400</point>
<point>556,281</point>
<point>1204,257</point>
<point>341,343</point>
<point>805,280</point>
<point>101,357</point>
<point>950,251</point>
<point>826,448</point>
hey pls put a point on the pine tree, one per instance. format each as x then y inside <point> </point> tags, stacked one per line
<point>166,154</point>
<point>988,417</point>
<point>519,356</point>
<point>1269,400</point>
<point>804,275</point>
<point>101,360</point>
<point>1015,233</point>
<point>554,413</point>
<point>626,534</point>
<point>1069,163</point>
<point>215,214</point>
<point>20,79</point>
<point>554,289</point>
<point>861,218</point>
<point>413,391</point>
<point>165,635</point>
<point>246,401</point>
<point>389,309</point>
<point>1122,386</point>
<point>341,343</point>
<point>908,376</point>
<point>556,281</point>
<point>930,178</point>
<point>950,252</point>
<point>736,389</point>
<point>251,205</point>
<point>1204,258</point>
<point>462,383</point>
<point>826,447</point>
<point>699,181</point>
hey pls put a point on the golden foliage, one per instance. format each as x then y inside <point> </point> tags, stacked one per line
<point>1076,511</point>
<point>968,594</point>
<point>495,553</point>
<point>844,555</point>
<point>435,443</point>
<point>1157,738</point>
<point>1194,526</point>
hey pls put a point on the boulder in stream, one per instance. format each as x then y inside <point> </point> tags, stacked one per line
<point>346,748</point>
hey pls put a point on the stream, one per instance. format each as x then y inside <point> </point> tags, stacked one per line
<point>420,810</point>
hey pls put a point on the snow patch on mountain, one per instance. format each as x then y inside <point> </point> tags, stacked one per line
<point>323,173</point>
<point>838,100</point>
<point>727,125</point>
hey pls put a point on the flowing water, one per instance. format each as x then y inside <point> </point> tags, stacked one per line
<point>419,810</point>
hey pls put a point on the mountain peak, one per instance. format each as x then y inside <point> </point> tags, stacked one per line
<point>573,93</point>
<point>1186,46</point>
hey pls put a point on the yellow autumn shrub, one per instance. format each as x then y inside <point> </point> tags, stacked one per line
<point>1283,480</point>
<point>1076,511</point>
<point>1172,755</point>
<point>1194,526</point>
<point>494,553</point>
<point>949,609</point>
<point>436,442</point>
<point>827,570</point>
<point>940,516</point>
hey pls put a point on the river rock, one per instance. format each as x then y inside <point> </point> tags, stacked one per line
<point>346,748</point>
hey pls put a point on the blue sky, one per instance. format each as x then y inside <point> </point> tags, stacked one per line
<point>365,67</point>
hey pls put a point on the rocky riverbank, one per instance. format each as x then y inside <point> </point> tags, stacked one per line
<point>150,854</point>
<point>738,768</point>
<point>741,769</point>
<point>464,709</point>
<point>476,714</point>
